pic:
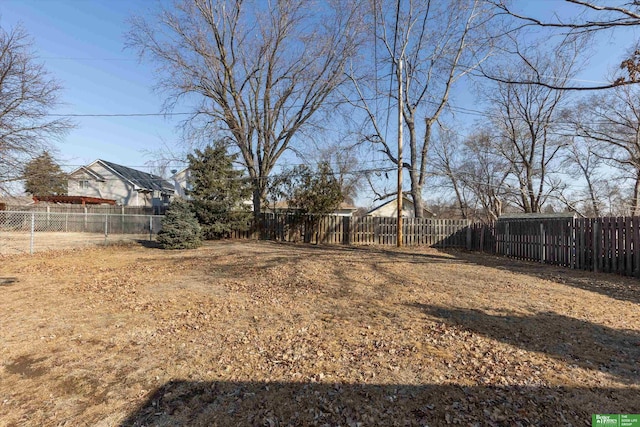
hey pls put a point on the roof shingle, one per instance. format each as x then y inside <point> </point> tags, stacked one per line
<point>141,179</point>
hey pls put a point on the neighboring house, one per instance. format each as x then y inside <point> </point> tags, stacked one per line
<point>390,209</point>
<point>128,187</point>
<point>17,200</point>
<point>181,182</point>
<point>344,209</point>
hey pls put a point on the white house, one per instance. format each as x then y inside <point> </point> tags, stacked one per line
<point>127,186</point>
<point>181,182</point>
<point>390,209</point>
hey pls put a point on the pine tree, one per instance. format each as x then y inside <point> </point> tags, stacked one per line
<point>44,177</point>
<point>316,192</point>
<point>308,191</point>
<point>218,192</point>
<point>180,228</point>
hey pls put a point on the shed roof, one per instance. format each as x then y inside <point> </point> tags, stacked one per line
<point>76,200</point>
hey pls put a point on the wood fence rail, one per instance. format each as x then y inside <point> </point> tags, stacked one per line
<point>608,244</point>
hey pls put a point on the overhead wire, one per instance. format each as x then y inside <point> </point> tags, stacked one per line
<point>461,110</point>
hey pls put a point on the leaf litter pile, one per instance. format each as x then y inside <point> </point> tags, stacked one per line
<point>267,334</point>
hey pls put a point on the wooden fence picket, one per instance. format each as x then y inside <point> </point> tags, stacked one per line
<point>608,244</point>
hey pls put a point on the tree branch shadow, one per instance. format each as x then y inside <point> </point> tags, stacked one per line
<point>613,286</point>
<point>574,341</point>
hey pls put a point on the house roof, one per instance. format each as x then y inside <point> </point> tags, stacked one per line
<point>405,201</point>
<point>17,200</point>
<point>90,172</point>
<point>142,180</point>
<point>182,171</point>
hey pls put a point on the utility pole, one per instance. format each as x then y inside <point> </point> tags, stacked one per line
<point>399,233</point>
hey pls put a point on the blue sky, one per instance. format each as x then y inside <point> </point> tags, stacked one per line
<point>81,43</point>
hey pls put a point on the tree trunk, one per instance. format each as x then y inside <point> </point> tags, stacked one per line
<point>463,210</point>
<point>592,196</point>
<point>257,202</point>
<point>418,202</point>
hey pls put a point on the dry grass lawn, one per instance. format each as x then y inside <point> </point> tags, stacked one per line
<point>267,334</point>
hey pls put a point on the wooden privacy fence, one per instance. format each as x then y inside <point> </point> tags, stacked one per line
<point>333,229</point>
<point>609,244</point>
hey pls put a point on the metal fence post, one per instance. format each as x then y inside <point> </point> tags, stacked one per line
<point>150,228</point>
<point>33,229</point>
<point>106,227</point>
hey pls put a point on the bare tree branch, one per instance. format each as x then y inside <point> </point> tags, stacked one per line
<point>259,73</point>
<point>27,96</point>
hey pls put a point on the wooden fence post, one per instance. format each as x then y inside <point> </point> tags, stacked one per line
<point>543,254</point>
<point>628,247</point>
<point>597,258</point>
<point>507,240</point>
<point>636,244</point>
<point>346,230</point>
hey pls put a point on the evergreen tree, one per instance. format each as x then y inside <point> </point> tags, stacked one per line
<point>218,192</point>
<point>307,191</point>
<point>309,194</point>
<point>44,177</point>
<point>316,192</point>
<point>180,228</point>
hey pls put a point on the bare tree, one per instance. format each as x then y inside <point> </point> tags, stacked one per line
<point>475,172</point>
<point>28,94</point>
<point>484,172</point>
<point>346,168</point>
<point>581,161</point>
<point>590,17</point>
<point>258,72</point>
<point>439,43</point>
<point>612,122</point>
<point>525,121</point>
<point>608,15</point>
<point>447,161</point>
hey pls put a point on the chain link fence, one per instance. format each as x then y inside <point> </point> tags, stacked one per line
<point>29,232</point>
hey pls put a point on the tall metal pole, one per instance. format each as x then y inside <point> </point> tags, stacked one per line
<point>399,233</point>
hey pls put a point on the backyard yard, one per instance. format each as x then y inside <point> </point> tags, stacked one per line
<point>269,334</point>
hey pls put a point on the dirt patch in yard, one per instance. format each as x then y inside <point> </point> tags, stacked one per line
<point>259,333</point>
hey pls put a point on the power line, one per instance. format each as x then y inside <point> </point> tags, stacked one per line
<point>120,114</point>
<point>65,58</point>
<point>186,113</point>
<point>461,110</point>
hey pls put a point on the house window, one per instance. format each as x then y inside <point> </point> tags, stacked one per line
<point>83,183</point>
